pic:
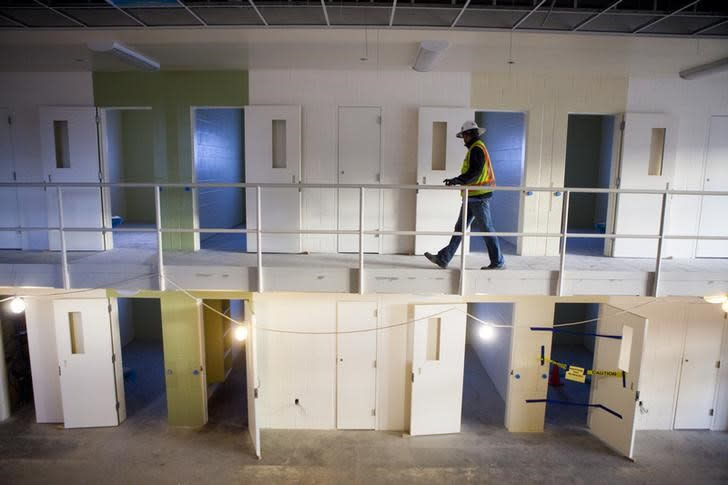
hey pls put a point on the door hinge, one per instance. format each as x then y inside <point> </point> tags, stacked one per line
<point>97,118</point>
<point>113,358</point>
<point>376,312</point>
<point>10,119</point>
<point>710,413</point>
<point>374,412</point>
<point>379,177</point>
<point>637,396</point>
<point>59,370</point>
<point>15,175</point>
<point>101,176</point>
<point>255,393</point>
<point>375,364</point>
<point>413,377</point>
<point>717,365</point>
<point>622,125</point>
<point>379,120</point>
<point>117,405</point>
<point>108,307</point>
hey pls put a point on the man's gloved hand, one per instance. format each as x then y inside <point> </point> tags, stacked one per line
<point>450,182</point>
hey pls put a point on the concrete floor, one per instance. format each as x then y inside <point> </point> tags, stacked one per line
<point>152,452</point>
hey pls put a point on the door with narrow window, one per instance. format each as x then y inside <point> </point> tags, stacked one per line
<point>273,155</point>
<point>252,382</point>
<point>359,163</point>
<point>9,213</point>
<point>356,360</point>
<point>613,421</point>
<point>438,359</point>
<point>88,363</point>
<point>647,162</point>
<point>715,207</point>
<point>440,155</point>
<point>70,153</point>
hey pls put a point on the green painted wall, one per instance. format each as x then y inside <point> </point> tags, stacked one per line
<point>170,94</point>
<point>182,333</point>
<point>137,144</point>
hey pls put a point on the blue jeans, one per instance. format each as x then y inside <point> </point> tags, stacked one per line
<point>479,211</point>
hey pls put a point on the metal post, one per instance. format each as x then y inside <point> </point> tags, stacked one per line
<point>562,246</point>
<point>465,241</point>
<point>658,261</point>
<point>64,253</point>
<point>160,254</point>
<point>361,240</point>
<point>259,238</point>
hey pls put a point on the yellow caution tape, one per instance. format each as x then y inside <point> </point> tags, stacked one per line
<point>575,374</point>
<point>579,372</point>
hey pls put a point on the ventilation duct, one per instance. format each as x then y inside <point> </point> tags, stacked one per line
<point>705,69</point>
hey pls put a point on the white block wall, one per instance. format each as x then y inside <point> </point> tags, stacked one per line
<point>320,93</point>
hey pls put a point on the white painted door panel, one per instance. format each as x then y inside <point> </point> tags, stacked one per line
<point>280,207</point>
<point>9,213</point>
<point>617,433</point>
<point>252,384</point>
<point>438,358</point>
<point>640,213</point>
<point>81,206</point>
<point>438,210</point>
<point>699,372</point>
<point>356,365</point>
<point>359,163</point>
<point>714,208</point>
<point>87,370</point>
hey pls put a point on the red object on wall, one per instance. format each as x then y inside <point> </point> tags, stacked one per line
<point>554,377</point>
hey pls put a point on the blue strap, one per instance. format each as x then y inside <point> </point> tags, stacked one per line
<point>567,403</point>
<point>558,330</point>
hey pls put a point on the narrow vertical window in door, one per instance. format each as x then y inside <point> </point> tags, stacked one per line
<point>657,151</point>
<point>433,339</point>
<point>279,144</point>
<point>75,326</point>
<point>439,144</point>
<point>60,136</point>
<point>625,349</point>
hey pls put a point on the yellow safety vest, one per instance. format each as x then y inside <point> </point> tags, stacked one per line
<point>486,177</point>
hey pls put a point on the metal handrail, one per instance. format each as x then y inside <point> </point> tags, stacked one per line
<point>361,232</point>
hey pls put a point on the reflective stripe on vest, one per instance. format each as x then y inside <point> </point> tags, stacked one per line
<point>486,177</point>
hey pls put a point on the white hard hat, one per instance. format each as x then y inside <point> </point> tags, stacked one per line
<point>470,125</point>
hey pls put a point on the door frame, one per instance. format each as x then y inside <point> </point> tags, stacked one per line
<point>379,168</point>
<point>101,127</point>
<point>704,174</point>
<point>193,158</point>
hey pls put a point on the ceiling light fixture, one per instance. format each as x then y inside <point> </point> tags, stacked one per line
<point>17,305</point>
<point>716,299</point>
<point>705,69</point>
<point>428,53</point>
<point>724,306</point>
<point>126,54</point>
<point>241,333</point>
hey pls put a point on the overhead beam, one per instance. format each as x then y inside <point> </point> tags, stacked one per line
<point>657,21</point>
<point>596,16</point>
<point>16,22</point>
<point>64,15</point>
<point>710,27</point>
<point>460,14</point>
<point>189,10</point>
<point>260,15</point>
<point>391,15</point>
<point>326,13</point>
<point>548,14</point>
<point>134,18</point>
<point>523,19</point>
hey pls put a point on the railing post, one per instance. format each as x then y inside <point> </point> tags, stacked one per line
<point>361,240</point>
<point>160,253</point>
<point>562,245</point>
<point>465,241</point>
<point>259,237</point>
<point>64,253</point>
<point>658,261</point>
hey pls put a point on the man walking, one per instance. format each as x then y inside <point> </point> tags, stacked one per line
<point>476,170</point>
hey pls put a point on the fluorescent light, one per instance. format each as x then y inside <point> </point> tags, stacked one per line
<point>428,53</point>
<point>126,54</point>
<point>705,69</point>
<point>17,305</point>
<point>716,299</point>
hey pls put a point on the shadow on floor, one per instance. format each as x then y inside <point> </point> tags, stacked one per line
<point>482,405</point>
<point>144,384</point>
<point>228,405</point>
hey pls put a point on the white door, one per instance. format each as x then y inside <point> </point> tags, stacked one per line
<point>356,365</point>
<point>715,208</point>
<point>273,155</point>
<point>70,153</point>
<point>699,370</point>
<point>438,359</point>
<point>9,213</point>
<point>610,392</point>
<point>647,162</point>
<point>359,163</point>
<point>86,363</point>
<point>439,156</point>
<point>252,384</point>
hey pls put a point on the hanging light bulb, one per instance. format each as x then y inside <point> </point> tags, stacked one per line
<point>17,305</point>
<point>716,299</point>
<point>724,306</point>
<point>241,333</point>
<point>486,332</point>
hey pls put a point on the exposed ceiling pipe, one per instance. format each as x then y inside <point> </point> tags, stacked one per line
<point>705,69</point>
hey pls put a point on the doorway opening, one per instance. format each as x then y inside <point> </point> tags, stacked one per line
<point>589,147</point>
<point>487,362</point>
<point>15,366</point>
<point>505,140</point>
<point>225,360</point>
<point>219,156</point>
<point>140,331</point>
<point>128,156</point>
<point>573,346</point>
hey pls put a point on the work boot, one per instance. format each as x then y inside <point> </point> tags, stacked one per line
<point>436,259</point>
<point>495,266</point>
